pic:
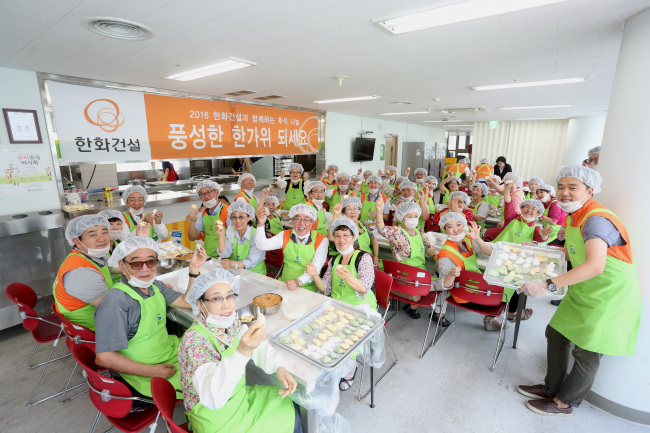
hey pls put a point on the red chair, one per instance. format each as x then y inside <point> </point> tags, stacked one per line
<point>383,284</point>
<point>471,287</point>
<point>44,329</point>
<point>76,334</point>
<point>431,226</point>
<point>275,258</point>
<point>491,234</point>
<point>164,395</point>
<point>412,281</point>
<point>112,398</point>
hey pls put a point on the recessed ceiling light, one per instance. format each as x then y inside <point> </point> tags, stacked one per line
<point>268,97</point>
<point>227,65</point>
<point>242,92</point>
<point>356,98</point>
<point>118,28</point>
<point>443,121</point>
<point>456,13</point>
<point>544,118</point>
<point>537,106</point>
<point>401,103</point>
<point>530,84</point>
<point>405,112</point>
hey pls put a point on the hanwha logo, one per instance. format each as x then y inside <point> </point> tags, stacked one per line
<point>105,114</point>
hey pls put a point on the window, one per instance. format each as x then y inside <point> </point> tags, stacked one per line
<point>134,166</point>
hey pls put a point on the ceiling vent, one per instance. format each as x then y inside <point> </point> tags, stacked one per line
<point>119,28</point>
<point>266,98</point>
<point>242,92</point>
<point>470,110</point>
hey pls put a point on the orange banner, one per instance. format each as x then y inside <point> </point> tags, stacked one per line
<point>196,128</point>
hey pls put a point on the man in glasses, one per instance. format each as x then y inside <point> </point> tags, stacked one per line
<point>300,245</point>
<point>293,190</point>
<point>131,337</point>
<point>213,210</point>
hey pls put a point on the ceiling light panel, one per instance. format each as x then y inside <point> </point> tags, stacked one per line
<point>227,65</point>
<point>405,112</point>
<point>530,84</point>
<point>537,106</point>
<point>355,98</point>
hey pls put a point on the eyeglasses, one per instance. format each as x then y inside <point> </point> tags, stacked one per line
<point>295,172</point>
<point>344,237</point>
<point>151,263</point>
<point>207,194</point>
<point>218,300</point>
<point>302,220</point>
<point>238,218</point>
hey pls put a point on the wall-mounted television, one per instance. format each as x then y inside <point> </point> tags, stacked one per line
<point>363,149</point>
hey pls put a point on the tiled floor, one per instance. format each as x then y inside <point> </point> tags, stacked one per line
<point>450,390</point>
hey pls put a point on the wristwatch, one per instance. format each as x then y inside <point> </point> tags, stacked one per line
<point>194,275</point>
<point>551,285</point>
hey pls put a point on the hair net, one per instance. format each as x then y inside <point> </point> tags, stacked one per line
<point>515,178</point>
<point>132,189</point>
<point>484,188</point>
<point>429,178</point>
<point>314,184</point>
<point>343,221</point>
<point>296,165</point>
<point>77,226</point>
<point>538,204</point>
<point>351,200</point>
<point>130,245</point>
<point>496,178</point>
<point>241,206</point>
<point>207,280</point>
<point>112,213</point>
<point>342,174</point>
<point>401,179</point>
<point>208,184</point>
<point>421,170</point>
<point>373,178</point>
<point>369,172</point>
<point>303,209</point>
<point>391,168</point>
<point>461,195</point>
<point>594,150</point>
<point>244,176</point>
<point>408,184</point>
<point>485,161</point>
<point>464,161</point>
<point>332,166</point>
<point>455,179</point>
<point>406,208</point>
<point>586,175</point>
<point>537,180</point>
<point>273,199</point>
<point>355,177</point>
<point>452,216</point>
<point>548,188</point>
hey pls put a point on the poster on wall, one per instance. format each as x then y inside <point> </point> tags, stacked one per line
<point>97,124</point>
<point>24,173</point>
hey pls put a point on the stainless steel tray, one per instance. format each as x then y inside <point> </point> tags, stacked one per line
<point>316,313</point>
<point>497,259</point>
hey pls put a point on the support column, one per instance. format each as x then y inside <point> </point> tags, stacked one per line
<point>582,134</point>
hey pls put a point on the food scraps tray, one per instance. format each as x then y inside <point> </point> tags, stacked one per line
<point>512,265</point>
<point>328,334</point>
<point>173,250</point>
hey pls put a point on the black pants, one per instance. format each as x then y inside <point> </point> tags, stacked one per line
<point>134,392</point>
<point>571,389</point>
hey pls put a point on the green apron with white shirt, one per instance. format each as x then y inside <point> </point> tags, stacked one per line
<point>601,314</point>
<point>275,224</point>
<point>343,292</point>
<point>151,344</point>
<point>250,409</point>
<point>133,225</point>
<point>296,257</point>
<point>293,195</point>
<point>211,237</point>
<point>241,251</point>
<point>417,257</point>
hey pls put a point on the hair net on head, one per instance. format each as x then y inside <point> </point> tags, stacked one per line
<point>391,168</point>
<point>343,221</point>
<point>241,206</point>
<point>402,179</point>
<point>484,188</point>
<point>548,188</point>
<point>130,245</point>
<point>455,179</point>
<point>461,195</point>
<point>355,177</point>
<point>406,208</point>
<point>515,178</point>
<point>368,172</point>
<point>208,184</point>
<point>408,184</point>
<point>594,150</point>
<point>350,200</point>
<point>273,199</point>
<point>496,178</point>
<point>112,213</point>
<point>373,178</point>
<point>137,188</point>
<point>332,166</point>
<point>485,161</point>
<point>207,280</point>
<point>429,178</point>
<point>295,165</point>
<point>536,180</point>
<point>464,161</point>
<point>244,176</point>
<point>421,170</point>
<point>586,175</point>
<point>538,204</point>
<point>77,226</point>
<point>313,184</point>
<point>341,175</point>
<point>452,216</point>
<point>303,209</point>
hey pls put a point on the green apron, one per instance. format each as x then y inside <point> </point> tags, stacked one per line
<point>336,197</point>
<point>556,227</point>
<point>275,225</point>
<point>601,314</point>
<point>492,200</point>
<point>363,239</point>
<point>445,197</point>
<point>368,206</point>
<point>293,195</point>
<point>152,344</point>
<point>516,232</point>
<point>211,237</point>
<point>364,187</point>
<point>250,409</point>
<point>241,251</point>
<point>417,257</point>
<point>115,277</point>
<point>321,226</point>
<point>343,292</point>
<point>132,224</point>
<point>296,257</point>
<point>474,209</point>
<point>84,316</point>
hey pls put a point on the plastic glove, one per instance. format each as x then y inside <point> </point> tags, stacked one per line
<point>536,289</point>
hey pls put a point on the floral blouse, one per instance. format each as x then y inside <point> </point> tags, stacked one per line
<point>399,243</point>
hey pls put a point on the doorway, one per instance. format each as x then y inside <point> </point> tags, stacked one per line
<point>391,151</point>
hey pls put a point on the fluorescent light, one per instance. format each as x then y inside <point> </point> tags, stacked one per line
<point>530,84</point>
<point>537,106</point>
<point>543,118</point>
<point>456,13</point>
<point>356,98</point>
<point>405,112</point>
<point>442,121</point>
<point>230,64</point>
<point>461,126</point>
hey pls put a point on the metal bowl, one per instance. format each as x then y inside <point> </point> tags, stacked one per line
<point>248,310</point>
<point>167,264</point>
<point>269,310</point>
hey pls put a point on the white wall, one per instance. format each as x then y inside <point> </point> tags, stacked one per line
<point>19,89</point>
<point>342,129</point>
<point>583,134</point>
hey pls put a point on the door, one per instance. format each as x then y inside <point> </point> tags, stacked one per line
<point>391,152</point>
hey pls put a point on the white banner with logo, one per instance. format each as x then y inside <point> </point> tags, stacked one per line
<point>95,124</point>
